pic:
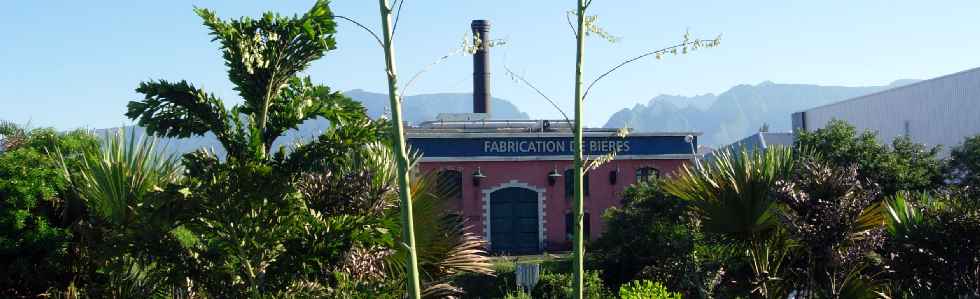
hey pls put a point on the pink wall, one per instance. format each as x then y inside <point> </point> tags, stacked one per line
<point>602,195</point>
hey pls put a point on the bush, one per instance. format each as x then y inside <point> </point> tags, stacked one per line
<point>933,246</point>
<point>645,289</point>
<point>38,249</point>
<point>559,286</point>
<point>648,238</point>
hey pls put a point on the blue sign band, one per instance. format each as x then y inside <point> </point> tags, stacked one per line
<point>549,146</point>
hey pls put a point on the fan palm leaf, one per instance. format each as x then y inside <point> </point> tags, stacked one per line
<point>115,178</point>
<point>732,192</point>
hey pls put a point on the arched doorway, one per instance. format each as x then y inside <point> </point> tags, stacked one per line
<point>514,221</point>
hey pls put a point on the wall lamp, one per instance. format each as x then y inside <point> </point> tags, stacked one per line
<point>613,175</point>
<point>478,176</point>
<point>553,176</point>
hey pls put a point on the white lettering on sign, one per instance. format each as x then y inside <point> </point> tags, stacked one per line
<point>552,146</point>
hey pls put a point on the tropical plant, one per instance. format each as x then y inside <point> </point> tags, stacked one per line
<point>731,196</point>
<point>933,246</point>
<point>260,235</point>
<point>399,147</point>
<point>365,186</point>
<point>837,221</point>
<point>114,182</point>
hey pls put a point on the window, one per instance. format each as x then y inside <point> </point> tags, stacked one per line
<point>570,229</point>
<point>450,183</point>
<point>646,173</point>
<point>570,183</point>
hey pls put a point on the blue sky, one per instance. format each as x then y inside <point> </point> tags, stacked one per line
<point>74,64</point>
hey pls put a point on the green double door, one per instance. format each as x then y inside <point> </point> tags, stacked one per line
<point>514,221</point>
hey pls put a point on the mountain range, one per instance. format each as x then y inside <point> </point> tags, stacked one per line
<point>736,113</point>
<point>723,118</point>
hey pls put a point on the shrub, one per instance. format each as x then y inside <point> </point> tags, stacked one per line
<point>648,238</point>
<point>559,285</point>
<point>645,289</point>
<point>37,246</point>
<point>933,246</point>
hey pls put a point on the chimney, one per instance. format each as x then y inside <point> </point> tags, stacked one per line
<point>481,66</point>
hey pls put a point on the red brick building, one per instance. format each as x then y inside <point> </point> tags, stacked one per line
<point>511,178</point>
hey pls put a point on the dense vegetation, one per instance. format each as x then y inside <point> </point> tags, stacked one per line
<point>83,216</point>
<point>837,216</point>
<point>116,217</point>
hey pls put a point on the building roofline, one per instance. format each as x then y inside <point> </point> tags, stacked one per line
<point>891,89</point>
<point>418,134</point>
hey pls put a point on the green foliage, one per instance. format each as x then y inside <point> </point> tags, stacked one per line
<point>650,237</point>
<point>933,247</point>
<point>731,197</point>
<point>963,169</point>
<point>269,223</point>
<point>115,178</point>
<point>264,57</point>
<point>837,220</point>
<point>559,286</point>
<point>645,289</point>
<point>731,192</point>
<point>903,166</point>
<point>517,295</point>
<point>35,214</point>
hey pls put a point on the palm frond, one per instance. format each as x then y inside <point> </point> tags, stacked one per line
<point>116,177</point>
<point>903,217</point>
<point>732,192</point>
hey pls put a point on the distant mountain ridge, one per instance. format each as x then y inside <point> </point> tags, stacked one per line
<point>415,109</point>
<point>736,113</point>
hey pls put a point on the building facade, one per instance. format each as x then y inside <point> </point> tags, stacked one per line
<point>512,179</point>
<point>939,111</point>
<point>513,182</point>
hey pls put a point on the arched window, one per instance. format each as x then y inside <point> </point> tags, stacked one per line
<point>570,229</point>
<point>646,173</point>
<point>450,183</point>
<point>570,183</point>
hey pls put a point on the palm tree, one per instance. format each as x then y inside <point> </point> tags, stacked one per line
<point>114,182</point>
<point>731,196</point>
<point>837,220</point>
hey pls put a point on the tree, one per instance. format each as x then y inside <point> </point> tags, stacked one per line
<point>963,169</point>
<point>731,196</point>
<point>838,221</point>
<point>903,166</point>
<point>38,247</point>
<point>245,207</point>
<point>651,237</point>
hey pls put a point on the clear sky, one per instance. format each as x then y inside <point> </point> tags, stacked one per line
<point>74,64</point>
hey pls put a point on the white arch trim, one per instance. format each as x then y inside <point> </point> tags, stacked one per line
<point>541,210</point>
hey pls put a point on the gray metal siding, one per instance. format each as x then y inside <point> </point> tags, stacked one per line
<point>941,111</point>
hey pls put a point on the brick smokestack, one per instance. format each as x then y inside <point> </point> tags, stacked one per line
<point>481,66</point>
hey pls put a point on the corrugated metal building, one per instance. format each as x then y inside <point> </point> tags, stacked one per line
<point>939,111</point>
